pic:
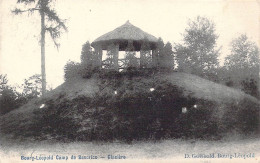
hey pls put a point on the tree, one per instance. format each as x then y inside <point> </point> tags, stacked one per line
<point>3,81</point>
<point>86,53</point>
<point>72,70</point>
<point>166,57</point>
<point>56,25</point>
<point>156,53</point>
<point>242,65</point>
<point>198,54</point>
<point>244,54</point>
<point>32,87</point>
<point>89,59</point>
<point>8,96</point>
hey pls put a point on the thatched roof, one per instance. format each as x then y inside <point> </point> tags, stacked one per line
<point>124,33</point>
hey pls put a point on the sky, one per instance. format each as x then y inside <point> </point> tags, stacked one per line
<point>89,19</point>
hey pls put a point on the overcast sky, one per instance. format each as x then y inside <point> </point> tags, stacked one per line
<point>89,19</point>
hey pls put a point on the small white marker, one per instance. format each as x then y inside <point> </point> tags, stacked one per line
<point>152,89</point>
<point>195,106</point>
<point>115,92</point>
<point>184,110</point>
<point>42,106</point>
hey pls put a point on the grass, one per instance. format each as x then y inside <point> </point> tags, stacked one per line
<point>166,149</point>
<point>205,89</point>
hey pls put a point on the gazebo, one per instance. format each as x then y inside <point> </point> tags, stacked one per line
<point>119,40</point>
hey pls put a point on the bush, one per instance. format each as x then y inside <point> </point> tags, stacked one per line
<point>250,87</point>
<point>148,114</point>
<point>72,70</point>
<point>199,122</point>
<point>56,121</point>
<point>242,117</point>
<point>8,100</point>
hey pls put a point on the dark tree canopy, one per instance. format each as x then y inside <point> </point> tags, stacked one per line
<point>198,54</point>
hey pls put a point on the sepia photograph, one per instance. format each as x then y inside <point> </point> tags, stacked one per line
<point>129,81</point>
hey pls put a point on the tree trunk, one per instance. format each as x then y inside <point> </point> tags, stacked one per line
<point>43,53</point>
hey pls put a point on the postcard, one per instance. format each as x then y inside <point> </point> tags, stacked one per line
<point>129,81</point>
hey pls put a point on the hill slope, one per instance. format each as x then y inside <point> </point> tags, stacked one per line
<point>192,85</point>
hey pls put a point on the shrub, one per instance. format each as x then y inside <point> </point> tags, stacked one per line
<point>242,117</point>
<point>199,122</point>
<point>71,70</point>
<point>56,120</point>
<point>250,87</point>
<point>8,100</point>
<point>146,114</point>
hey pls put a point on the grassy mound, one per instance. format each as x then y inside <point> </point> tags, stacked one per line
<point>129,107</point>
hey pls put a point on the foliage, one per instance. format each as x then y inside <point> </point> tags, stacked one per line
<point>244,54</point>
<point>11,99</point>
<point>145,55</point>
<point>86,53</point>
<point>130,56</point>
<point>57,120</point>
<point>198,54</point>
<point>242,117</point>
<point>86,68</point>
<point>131,107</point>
<point>71,70</point>
<point>156,53</point>
<point>54,25</point>
<point>8,96</point>
<point>109,62</point>
<point>241,67</point>
<point>32,86</point>
<point>146,114</point>
<point>8,100</point>
<point>89,59</point>
<point>199,122</point>
<point>166,57</point>
<point>3,81</point>
<point>249,86</point>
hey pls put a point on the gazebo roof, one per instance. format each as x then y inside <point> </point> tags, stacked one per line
<point>124,33</point>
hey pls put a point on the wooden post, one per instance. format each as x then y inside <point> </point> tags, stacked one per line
<point>154,58</point>
<point>116,55</point>
<point>99,51</point>
<point>142,57</point>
